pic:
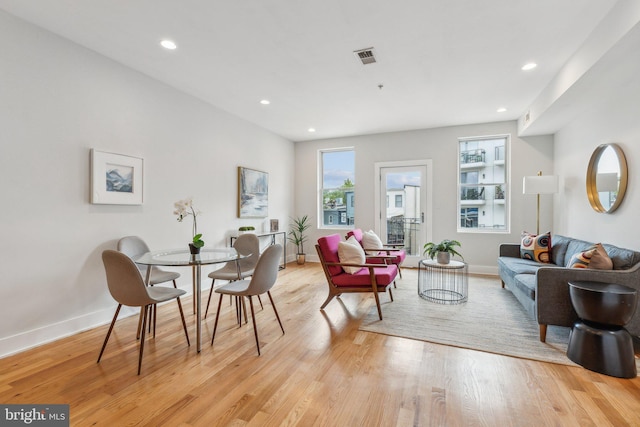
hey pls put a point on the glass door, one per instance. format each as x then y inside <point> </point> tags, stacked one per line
<point>403,203</point>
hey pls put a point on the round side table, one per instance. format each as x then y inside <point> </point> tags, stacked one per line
<point>443,283</point>
<point>599,341</point>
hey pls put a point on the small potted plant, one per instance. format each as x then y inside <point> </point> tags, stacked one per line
<point>442,250</point>
<point>297,236</point>
<point>246,229</point>
<point>184,208</point>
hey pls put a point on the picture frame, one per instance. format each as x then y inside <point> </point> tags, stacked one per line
<point>116,179</point>
<point>253,193</point>
<point>274,225</point>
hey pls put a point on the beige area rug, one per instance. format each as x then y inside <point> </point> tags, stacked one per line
<point>492,320</point>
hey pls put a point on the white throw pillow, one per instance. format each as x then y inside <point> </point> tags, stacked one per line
<point>351,252</point>
<point>370,240</point>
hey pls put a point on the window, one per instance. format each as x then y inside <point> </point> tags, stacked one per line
<point>337,192</point>
<point>398,200</point>
<point>483,204</point>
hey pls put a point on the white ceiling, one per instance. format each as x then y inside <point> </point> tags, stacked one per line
<point>441,62</point>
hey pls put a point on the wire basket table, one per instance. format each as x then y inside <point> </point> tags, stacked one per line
<point>443,283</point>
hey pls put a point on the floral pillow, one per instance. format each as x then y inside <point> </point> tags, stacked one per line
<point>536,247</point>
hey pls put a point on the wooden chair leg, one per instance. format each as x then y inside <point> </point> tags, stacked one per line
<point>255,329</point>
<point>139,324</point>
<point>275,311</point>
<point>215,325</point>
<point>184,323</point>
<point>328,300</point>
<point>106,339</point>
<point>209,299</point>
<point>375,294</point>
<point>144,324</point>
<point>391,294</point>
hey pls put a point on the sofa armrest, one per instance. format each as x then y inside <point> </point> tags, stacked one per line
<point>510,249</point>
<point>553,303</point>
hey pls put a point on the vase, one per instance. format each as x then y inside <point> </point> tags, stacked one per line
<point>444,257</point>
<point>194,249</point>
<point>300,259</point>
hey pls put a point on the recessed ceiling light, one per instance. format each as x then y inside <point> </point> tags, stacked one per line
<point>265,102</point>
<point>311,130</point>
<point>529,66</point>
<point>501,110</point>
<point>168,44</point>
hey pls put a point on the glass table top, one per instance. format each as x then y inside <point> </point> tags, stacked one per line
<point>182,257</point>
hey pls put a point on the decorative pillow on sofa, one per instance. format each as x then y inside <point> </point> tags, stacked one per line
<point>536,247</point>
<point>370,240</point>
<point>595,257</point>
<point>350,252</point>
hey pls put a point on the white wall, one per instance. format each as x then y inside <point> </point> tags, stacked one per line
<point>480,249</point>
<point>59,100</point>
<point>613,120</point>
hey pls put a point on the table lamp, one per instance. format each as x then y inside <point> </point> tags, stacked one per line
<point>539,184</point>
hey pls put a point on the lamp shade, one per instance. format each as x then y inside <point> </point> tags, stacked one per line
<point>540,184</point>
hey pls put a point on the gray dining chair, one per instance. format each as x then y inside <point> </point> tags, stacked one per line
<point>127,288</point>
<point>133,246</point>
<point>263,279</point>
<point>245,244</point>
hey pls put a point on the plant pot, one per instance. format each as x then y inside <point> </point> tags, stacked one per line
<point>443,257</point>
<point>194,250</point>
<point>300,258</point>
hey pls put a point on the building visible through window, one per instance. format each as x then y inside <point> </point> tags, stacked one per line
<point>483,204</point>
<point>337,195</point>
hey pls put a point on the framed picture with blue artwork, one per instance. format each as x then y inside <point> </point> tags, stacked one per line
<point>116,179</point>
<point>253,193</point>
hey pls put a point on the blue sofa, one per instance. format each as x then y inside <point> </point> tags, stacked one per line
<point>543,289</point>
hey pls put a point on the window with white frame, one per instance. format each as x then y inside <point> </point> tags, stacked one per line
<point>337,192</point>
<point>483,203</point>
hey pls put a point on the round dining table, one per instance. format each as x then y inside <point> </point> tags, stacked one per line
<point>184,258</point>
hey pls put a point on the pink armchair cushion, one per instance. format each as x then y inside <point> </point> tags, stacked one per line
<point>357,233</point>
<point>329,248</point>
<point>384,276</point>
<point>400,254</point>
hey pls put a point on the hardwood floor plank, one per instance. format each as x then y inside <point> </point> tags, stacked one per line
<point>323,371</point>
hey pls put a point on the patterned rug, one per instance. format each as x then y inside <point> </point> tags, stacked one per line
<point>492,320</point>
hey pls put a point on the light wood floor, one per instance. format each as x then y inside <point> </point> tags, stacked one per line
<point>323,371</point>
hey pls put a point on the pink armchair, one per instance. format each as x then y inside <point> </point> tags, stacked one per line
<point>389,254</point>
<point>371,278</point>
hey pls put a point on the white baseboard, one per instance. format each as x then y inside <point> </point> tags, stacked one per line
<point>49,333</point>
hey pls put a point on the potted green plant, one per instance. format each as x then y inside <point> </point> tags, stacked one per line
<point>246,229</point>
<point>184,208</point>
<point>296,236</point>
<point>442,250</point>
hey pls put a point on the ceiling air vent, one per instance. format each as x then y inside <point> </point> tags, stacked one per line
<point>367,56</point>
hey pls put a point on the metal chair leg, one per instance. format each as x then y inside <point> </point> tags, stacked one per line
<point>113,322</point>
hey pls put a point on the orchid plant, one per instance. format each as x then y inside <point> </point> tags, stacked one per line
<point>184,208</point>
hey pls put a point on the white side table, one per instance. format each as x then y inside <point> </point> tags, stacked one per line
<point>443,283</point>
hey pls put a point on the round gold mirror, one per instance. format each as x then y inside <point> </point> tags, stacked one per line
<point>607,178</point>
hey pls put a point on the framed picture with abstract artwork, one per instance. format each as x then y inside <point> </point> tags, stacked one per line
<point>116,179</point>
<point>253,193</point>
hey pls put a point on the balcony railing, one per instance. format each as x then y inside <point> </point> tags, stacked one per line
<point>404,231</point>
<point>472,193</point>
<point>472,156</point>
